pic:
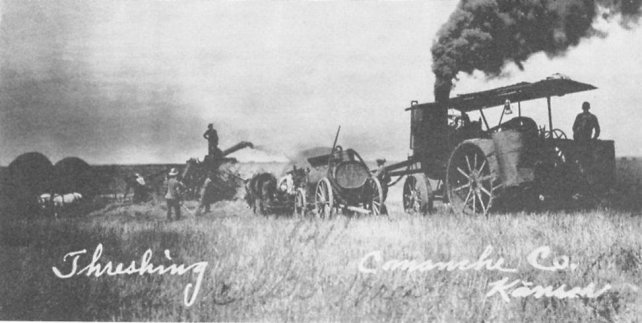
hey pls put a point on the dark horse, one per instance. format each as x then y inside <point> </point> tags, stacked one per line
<point>260,192</point>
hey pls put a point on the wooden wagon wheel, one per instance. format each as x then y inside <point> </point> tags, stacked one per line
<point>417,194</point>
<point>324,200</point>
<point>374,197</point>
<point>260,207</point>
<point>300,203</point>
<point>469,181</point>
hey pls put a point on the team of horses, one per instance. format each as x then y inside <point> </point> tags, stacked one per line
<point>260,192</point>
<point>265,194</point>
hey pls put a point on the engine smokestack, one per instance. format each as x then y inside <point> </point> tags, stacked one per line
<point>443,85</point>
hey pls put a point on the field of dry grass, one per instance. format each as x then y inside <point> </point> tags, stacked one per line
<point>302,269</point>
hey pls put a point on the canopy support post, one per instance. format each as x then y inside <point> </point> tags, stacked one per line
<point>550,116</point>
<point>519,108</point>
<point>484,118</point>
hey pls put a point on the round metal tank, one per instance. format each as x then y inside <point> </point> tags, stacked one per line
<point>350,175</point>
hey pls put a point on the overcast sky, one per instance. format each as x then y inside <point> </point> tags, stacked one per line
<point>138,81</point>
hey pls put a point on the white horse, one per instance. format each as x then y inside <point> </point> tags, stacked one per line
<point>58,201</point>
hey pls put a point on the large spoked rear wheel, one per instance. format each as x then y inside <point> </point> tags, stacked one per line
<point>469,181</point>
<point>374,197</point>
<point>324,201</point>
<point>300,203</point>
<point>417,195</point>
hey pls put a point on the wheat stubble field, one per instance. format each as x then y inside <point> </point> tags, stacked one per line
<point>306,269</point>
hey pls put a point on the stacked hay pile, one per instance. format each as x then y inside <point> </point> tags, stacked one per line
<point>73,174</point>
<point>29,175</point>
<point>32,174</point>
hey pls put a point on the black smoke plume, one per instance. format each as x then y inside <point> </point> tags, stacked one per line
<point>485,35</point>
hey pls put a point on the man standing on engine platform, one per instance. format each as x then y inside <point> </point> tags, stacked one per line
<point>212,140</point>
<point>584,125</point>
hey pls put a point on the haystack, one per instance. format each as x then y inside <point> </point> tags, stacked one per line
<point>72,174</point>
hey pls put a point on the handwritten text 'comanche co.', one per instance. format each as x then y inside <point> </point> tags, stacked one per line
<point>373,263</point>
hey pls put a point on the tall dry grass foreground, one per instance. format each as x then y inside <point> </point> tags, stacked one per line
<point>301,269</point>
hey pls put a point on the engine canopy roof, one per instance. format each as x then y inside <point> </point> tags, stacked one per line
<point>523,91</point>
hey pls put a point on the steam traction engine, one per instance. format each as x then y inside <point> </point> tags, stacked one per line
<point>478,167</point>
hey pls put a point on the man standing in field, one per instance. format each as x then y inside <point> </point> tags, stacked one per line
<point>212,140</point>
<point>140,190</point>
<point>207,195</point>
<point>173,196</point>
<point>136,183</point>
<point>584,125</point>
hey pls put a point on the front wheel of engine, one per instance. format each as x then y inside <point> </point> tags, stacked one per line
<point>417,195</point>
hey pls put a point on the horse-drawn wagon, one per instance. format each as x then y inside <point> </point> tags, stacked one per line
<point>264,194</point>
<point>477,167</point>
<point>342,181</point>
<point>323,181</point>
<point>334,180</point>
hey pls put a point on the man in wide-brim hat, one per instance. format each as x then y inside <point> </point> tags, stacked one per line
<point>173,196</point>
